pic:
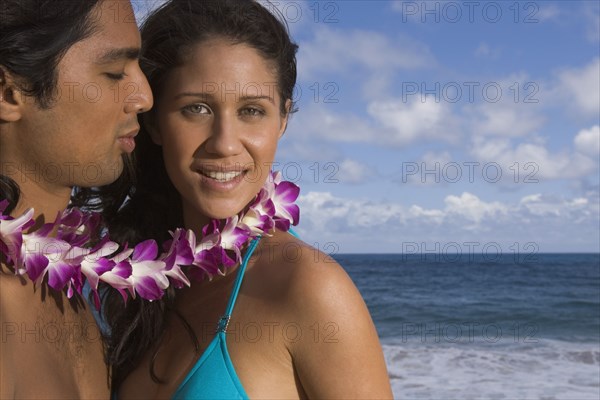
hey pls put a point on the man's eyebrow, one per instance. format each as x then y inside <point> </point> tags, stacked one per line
<point>118,54</point>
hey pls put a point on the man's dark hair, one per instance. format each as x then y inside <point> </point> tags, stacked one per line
<point>34,36</point>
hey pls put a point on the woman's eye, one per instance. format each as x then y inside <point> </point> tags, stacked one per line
<point>252,111</point>
<point>196,109</point>
<point>115,76</point>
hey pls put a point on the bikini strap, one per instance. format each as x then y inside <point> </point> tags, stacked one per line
<point>224,321</point>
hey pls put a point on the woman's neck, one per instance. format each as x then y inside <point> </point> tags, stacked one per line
<point>194,220</point>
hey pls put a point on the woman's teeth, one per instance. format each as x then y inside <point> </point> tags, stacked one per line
<point>222,176</point>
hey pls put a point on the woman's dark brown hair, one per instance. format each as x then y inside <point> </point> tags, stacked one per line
<point>154,206</point>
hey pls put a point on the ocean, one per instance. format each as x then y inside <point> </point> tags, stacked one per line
<point>504,327</point>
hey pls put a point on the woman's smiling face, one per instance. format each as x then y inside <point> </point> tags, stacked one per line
<point>218,120</point>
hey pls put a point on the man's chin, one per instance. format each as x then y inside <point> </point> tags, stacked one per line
<point>96,174</point>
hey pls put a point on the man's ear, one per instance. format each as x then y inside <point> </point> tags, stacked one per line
<point>149,122</point>
<point>284,121</point>
<point>11,99</point>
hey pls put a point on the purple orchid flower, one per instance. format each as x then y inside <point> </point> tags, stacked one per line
<point>259,217</point>
<point>233,238</point>
<point>95,264</point>
<point>11,236</point>
<point>76,227</point>
<point>50,256</point>
<point>283,194</point>
<point>204,257</point>
<point>286,211</point>
<point>118,275</point>
<point>147,273</point>
<point>180,253</point>
<point>205,264</point>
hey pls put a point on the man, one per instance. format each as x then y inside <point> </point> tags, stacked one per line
<point>70,92</point>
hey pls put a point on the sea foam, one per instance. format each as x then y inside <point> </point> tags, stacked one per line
<point>549,369</point>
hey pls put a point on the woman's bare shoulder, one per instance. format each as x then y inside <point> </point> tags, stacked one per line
<point>306,285</point>
<point>326,322</point>
<point>298,272</point>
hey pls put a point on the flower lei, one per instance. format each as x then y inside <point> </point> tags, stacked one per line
<point>58,249</point>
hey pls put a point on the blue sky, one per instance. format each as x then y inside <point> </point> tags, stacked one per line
<point>457,126</point>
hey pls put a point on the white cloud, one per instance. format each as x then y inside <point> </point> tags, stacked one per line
<point>534,160</point>
<point>435,216</point>
<point>543,219</point>
<point>392,123</point>
<point>342,51</point>
<point>509,107</point>
<point>508,119</point>
<point>485,50</point>
<point>372,54</point>
<point>472,208</point>
<point>438,163</point>
<point>466,211</point>
<point>353,171</point>
<point>548,206</point>
<point>580,88</point>
<point>414,120</point>
<point>587,141</point>
<point>324,211</point>
<point>322,208</point>
<point>536,206</point>
<point>318,121</point>
<point>546,12</point>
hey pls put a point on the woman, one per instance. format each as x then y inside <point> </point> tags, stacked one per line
<point>290,323</point>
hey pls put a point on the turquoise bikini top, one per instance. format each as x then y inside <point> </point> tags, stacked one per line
<point>213,376</point>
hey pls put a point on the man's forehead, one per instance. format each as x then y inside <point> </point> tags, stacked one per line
<point>115,10</point>
<point>116,35</point>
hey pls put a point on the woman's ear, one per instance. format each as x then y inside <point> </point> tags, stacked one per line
<point>284,120</point>
<point>149,122</point>
<point>11,100</point>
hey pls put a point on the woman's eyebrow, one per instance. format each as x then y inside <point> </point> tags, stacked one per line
<point>201,95</point>
<point>250,97</point>
<point>212,95</point>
